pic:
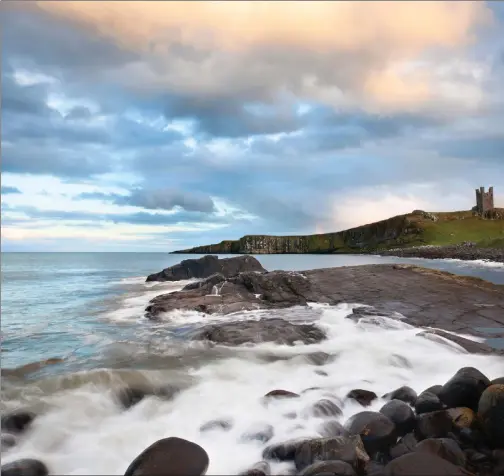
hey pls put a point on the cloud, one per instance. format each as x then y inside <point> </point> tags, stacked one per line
<point>164,199</point>
<point>9,190</point>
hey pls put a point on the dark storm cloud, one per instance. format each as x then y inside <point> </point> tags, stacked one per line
<point>5,190</point>
<point>164,199</point>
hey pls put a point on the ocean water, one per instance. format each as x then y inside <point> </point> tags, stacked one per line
<point>87,309</point>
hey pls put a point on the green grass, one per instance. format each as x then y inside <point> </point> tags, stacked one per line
<point>402,231</point>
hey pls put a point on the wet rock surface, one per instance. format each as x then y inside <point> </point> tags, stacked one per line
<point>417,293</point>
<point>401,414</point>
<point>405,394</point>
<point>416,464</point>
<point>170,457</point>
<point>130,396</point>
<point>264,330</point>
<point>363,397</point>
<point>25,467</point>
<point>259,469</point>
<point>445,448</point>
<point>464,389</point>
<point>428,401</point>
<point>491,414</point>
<point>377,431</point>
<point>206,266</point>
<point>17,422</point>
<point>334,468</point>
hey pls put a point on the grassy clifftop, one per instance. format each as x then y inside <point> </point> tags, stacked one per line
<point>414,229</point>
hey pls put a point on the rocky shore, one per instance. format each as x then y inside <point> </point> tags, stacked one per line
<point>454,428</point>
<point>466,251</point>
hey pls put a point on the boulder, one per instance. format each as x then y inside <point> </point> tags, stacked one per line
<point>404,446</point>
<point>416,464</point>
<point>258,331</point>
<point>401,414</point>
<point>324,408</point>
<point>437,424</point>
<point>491,414</point>
<point>170,457</point>
<point>207,283</point>
<point>461,417</point>
<point>377,431</point>
<point>427,402</point>
<point>259,469</point>
<point>464,389</point>
<point>348,449</point>
<point>206,266</point>
<point>285,451</point>
<point>25,467</point>
<point>130,396</point>
<point>445,448</point>
<point>274,394</point>
<point>17,422</point>
<point>333,468</point>
<point>262,432</point>
<point>7,441</point>
<point>363,397</point>
<point>212,425</point>
<point>405,394</point>
<point>499,380</point>
<point>332,428</point>
<point>375,469</point>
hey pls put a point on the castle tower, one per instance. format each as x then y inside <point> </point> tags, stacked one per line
<point>484,200</point>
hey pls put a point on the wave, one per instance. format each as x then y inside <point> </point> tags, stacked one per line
<point>83,430</point>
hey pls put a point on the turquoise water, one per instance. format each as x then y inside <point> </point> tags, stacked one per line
<point>60,304</point>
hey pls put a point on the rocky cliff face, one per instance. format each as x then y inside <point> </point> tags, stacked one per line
<point>396,231</point>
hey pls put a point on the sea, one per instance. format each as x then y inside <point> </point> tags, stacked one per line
<point>86,310</point>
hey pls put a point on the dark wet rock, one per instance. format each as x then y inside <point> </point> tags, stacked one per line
<point>364,311</point>
<point>25,467</point>
<point>491,414</point>
<point>206,266</point>
<point>405,394</point>
<point>17,422</point>
<point>325,408</point>
<point>427,402</point>
<point>416,464</point>
<point>285,451</point>
<point>496,381</point>
<point>437,424</point>
<point>259,469</point>
<point>207,283</point>
<point>363,397</point>
<point>281,394</point>
<point>445,448</point>
<point>130,396</point>
<point>260,432</point>
<point>222,425</point>
<point>332,468</point>
<point>461,417</point>
<point>375,469</point>
<point>322,373</point>
<point>7,441</point>
<point>245,291</point>
<point>170,457</point>
<point>377,431</point>
<point>404,446</point>
<point>348,449</point>
<point>464,389</point>
<point>332,428</point>
<point>401,414</point>
<point>256,332</point>
<point>319,358</point>
<point>435,389</point>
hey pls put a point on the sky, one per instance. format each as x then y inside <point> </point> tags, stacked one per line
<point>156,126</point>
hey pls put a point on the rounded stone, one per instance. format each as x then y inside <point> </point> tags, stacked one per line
<point>445,448</point>
<point>170,457</point>
<point>25,467</point>
<point>333,468</point>
<point>17,422</point>
<point>464,389</point>
<point>363,397</point>
<point>332,428</point>
<point>259,469</point>
<point>401,414</point>
<point>491,414</point>
<point>405,394</point>
<point>325,408</point>
<point>281,394</point>
<point>377,431</point>
<point>427,402</point>
<point>416,464</point>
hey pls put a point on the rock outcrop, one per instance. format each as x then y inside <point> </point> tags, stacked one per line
<point>206,266</point>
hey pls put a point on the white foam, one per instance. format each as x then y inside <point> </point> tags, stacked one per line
<point>86,433</point>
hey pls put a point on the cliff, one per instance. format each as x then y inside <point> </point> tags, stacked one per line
<point>415,229</point>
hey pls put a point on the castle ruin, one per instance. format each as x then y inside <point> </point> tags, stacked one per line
<point>484,201</point>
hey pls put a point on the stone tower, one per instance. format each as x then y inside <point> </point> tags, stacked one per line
<point>484,200</point>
